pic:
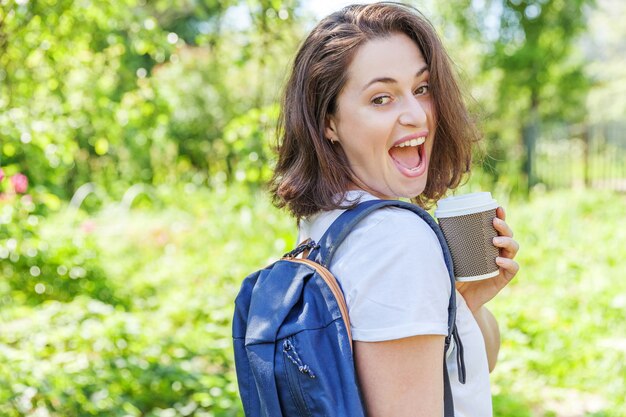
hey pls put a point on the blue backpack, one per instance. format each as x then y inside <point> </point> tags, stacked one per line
<point>291,331</point>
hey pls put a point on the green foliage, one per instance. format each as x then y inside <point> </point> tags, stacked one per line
<point>562,319</point>
<point>39,265</point>
<point>93,359</point>
<point>530,32</point>
<point>65,70</point>
<point>525,71</point>
<point>166,349</point>
<point>129,91</point>
<point>250,137</point>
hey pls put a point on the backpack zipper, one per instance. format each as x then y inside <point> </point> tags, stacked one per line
<point>291,369</point>
<point>293,356</point>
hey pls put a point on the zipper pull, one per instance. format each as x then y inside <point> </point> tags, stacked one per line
<point>307,244</point>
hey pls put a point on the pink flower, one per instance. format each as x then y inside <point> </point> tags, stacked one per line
<point>88,226</point>
<point>1,174</point>
<point>20,183</point>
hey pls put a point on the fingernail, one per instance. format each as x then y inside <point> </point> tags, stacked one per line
<point>497,240</point>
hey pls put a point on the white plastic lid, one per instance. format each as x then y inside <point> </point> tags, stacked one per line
<point>465,204</point>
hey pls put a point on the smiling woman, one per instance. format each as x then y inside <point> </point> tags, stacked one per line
<point>339,47</point>
<point>385,125</point>
<point>372,110</point>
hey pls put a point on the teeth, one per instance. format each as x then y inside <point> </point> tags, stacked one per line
<point>412,142</point>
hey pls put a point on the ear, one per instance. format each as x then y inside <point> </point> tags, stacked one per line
<point>330,130</point>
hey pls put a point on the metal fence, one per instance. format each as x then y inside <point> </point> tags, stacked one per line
<point>582,156</point>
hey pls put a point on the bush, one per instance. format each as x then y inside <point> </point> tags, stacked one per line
<point>55,265</point>
<point>87,358</point>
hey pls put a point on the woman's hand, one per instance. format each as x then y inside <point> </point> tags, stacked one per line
<point>477,293</point>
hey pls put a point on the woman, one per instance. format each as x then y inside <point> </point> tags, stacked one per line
<point>372,110</point>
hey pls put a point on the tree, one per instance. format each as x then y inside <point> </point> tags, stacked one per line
<point>528,51</point>
<point>129,91</point>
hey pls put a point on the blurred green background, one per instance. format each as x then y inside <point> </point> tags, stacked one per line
<point>136,139</point>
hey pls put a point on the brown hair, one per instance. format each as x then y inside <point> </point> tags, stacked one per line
<point>311,171</point>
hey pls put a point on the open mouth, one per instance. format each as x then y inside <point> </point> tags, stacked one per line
<point>409,154</point>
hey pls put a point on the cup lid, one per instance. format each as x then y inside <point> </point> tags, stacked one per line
<point>465,204</point>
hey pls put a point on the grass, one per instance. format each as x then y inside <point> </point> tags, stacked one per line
<point>564,334</point>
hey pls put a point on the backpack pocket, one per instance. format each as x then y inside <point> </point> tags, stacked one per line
<point>315,374</point>
<point>294,370</point>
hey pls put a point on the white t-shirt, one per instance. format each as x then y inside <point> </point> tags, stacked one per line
<point>396,284</point>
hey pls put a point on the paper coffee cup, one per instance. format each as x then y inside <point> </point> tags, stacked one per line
<point>467,224</point>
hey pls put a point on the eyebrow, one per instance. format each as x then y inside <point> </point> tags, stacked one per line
<point>389,80</point>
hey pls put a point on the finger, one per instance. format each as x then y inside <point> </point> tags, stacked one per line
<point>501,213</point>
<point>502,228</point>
<point>507,244</point>
<point>509,266</point>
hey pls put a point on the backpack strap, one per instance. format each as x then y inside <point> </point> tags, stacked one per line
<point>329,242</point>
<point>333,237</point>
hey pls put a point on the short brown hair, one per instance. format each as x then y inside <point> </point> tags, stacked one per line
<point>311,172</point>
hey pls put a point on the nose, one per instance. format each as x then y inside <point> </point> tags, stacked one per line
<point>414,112</point>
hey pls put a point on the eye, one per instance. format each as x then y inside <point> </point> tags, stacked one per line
<point>422,90</point>
<point>381,100</point>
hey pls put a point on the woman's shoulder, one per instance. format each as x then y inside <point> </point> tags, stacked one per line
<point>388,223</point>
<point>392,239</point>
<point>396,224</point>
<point>392,271</point>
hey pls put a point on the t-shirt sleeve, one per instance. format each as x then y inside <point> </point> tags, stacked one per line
<point>394,277</point>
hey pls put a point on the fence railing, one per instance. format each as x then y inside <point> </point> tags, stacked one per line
<point>582,156</point>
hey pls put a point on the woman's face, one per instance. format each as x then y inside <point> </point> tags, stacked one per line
<point>385,120</point>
